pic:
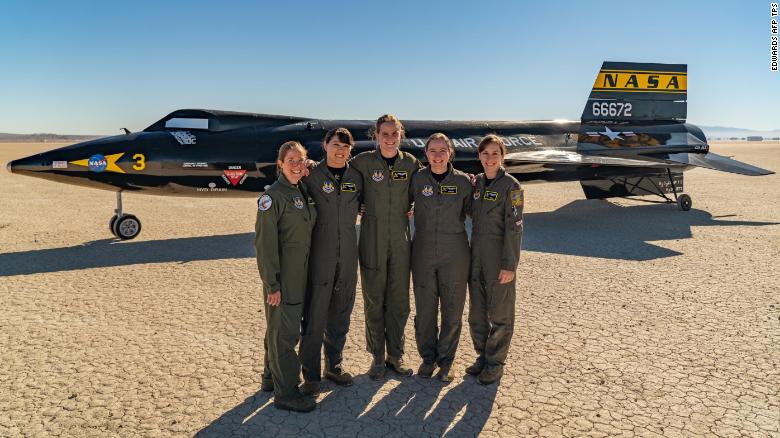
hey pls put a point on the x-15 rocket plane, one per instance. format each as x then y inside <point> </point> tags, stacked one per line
<point>631,140</point>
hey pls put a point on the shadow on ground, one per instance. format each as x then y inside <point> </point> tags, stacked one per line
<point>112,252</point>
<point>581,228</point>
<point>415,407</point>
<point>602,229</point>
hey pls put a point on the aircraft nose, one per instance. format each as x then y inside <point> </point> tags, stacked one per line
<point>34,163</point>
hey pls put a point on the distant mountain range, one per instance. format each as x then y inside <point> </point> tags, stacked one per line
<point>44,138</point>
<point>722,132</point>
<point>712,132</point>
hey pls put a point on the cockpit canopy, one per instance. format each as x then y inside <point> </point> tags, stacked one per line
<point>219,121</point>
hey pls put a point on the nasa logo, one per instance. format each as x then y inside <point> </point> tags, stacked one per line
<point>97,163</point>
<point>264,203</point>
<point>298,202</point>
<point>377,175</point>
<point>427,191</point>
<point>626,80</point>
<point>327,187</point>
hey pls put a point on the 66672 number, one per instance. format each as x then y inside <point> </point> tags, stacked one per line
<point>611,109</point>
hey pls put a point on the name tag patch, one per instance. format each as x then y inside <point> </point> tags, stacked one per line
<point>348,187</point>
<point>448,190</point>
<point>490,196</point>
<point>399,175</point>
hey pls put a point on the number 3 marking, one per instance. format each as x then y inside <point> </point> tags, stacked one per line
<point>140,162</point>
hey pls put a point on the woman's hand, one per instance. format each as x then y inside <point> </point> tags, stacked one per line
<point>307,166</point>
<point>275,298</point>
<point>505,276</point>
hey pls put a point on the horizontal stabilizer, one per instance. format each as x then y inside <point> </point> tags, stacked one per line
<point>712,161</point>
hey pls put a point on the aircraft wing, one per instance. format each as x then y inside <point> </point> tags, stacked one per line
<point>682,159</point>
<point>711,161</point>
<point>575,158</point>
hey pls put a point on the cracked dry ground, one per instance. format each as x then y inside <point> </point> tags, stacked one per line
<point>632,319</point>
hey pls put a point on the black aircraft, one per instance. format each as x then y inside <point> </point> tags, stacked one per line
<point>631,140</point>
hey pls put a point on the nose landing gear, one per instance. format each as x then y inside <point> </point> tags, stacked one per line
<point>121,225</point>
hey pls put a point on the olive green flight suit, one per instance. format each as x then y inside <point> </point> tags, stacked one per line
<point>285,219</point>
<point>330,296</point>
<point>497,215</point>
<point>440,261</point>
<point>384,248</point>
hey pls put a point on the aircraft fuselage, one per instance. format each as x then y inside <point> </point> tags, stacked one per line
<point>241,161</point>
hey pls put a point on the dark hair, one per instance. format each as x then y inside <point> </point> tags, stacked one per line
<point>492,138</point>
<point>385,119</point>
<point>443,137</point>
<point>284,149</point>
<point>342,134</point>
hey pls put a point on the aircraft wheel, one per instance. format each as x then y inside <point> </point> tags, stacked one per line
<point>684,202</point>
<point>111,224</point>
<point>127,227</point>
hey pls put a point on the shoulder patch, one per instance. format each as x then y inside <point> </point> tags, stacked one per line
<point>264,203</point>
<point>516,196</point>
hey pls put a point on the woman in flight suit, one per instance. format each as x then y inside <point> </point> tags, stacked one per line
<point>336,189</point>
<point>384,246</point>
<point>285,219</point>
<point>497,215</point>
<point>440,255</point>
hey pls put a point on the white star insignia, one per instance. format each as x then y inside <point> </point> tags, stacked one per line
<point>612,134</point>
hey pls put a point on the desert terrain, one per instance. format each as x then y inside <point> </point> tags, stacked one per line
<point>633,319</point>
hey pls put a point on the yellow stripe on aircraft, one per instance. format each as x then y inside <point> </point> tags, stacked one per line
<point>627,81</point>
<point>111,165</point>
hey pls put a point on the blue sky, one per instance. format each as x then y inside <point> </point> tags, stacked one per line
<point>94,67</point>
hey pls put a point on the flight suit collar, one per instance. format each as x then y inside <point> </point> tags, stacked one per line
<point>447,175</point>
<point>288,185</point>
<point>398,157</point>
<point>326,169</point>
<point>501,172</point>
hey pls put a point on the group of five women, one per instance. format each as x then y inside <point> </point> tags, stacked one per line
<point>306,224</point>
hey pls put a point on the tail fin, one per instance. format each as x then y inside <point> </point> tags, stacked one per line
<point>638,92</point>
